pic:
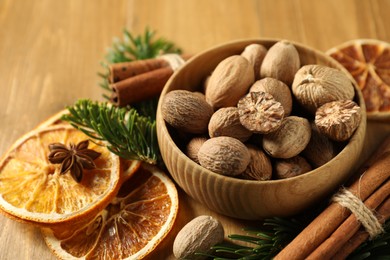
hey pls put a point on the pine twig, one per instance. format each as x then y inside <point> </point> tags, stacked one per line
<point>128,134</point>
<point>267,241</point>
<point>276,233</point>
<point>378,248</point>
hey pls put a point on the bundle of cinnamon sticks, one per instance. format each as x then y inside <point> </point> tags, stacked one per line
<point>138,80</point>
<point>336,232</point>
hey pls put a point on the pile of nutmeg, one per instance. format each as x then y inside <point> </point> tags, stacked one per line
<point>264,116</point>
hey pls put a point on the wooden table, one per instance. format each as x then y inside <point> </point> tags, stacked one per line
<point>50,53</point>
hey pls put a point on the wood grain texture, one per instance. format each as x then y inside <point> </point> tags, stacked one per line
<point>50,53</point>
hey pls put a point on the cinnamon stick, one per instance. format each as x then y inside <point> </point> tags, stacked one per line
<point>124,70</point>
<point>349,227</point>
<point>328,221</point>
<point>383,214</point>
<point>141,87</point>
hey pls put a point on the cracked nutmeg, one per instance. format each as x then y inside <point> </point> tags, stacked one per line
<point>260,112</point>
<point>338,120</point>
<point>279,90</point>
<point>73,159</point>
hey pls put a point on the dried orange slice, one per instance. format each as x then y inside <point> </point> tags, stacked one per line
<point>33,190</point>
<point>130,227</point>
<point>130,167</point>
<point>368,61</point>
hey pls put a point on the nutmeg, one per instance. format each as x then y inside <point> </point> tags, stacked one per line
<point>198,235</point>
<point>193,146</point>
<point>315,85</point>
<point>226,122</point>
<point>187,111</point>
<point>229,81</point>
<point>255,54</point>
<point>281,62</point>
<point>260,112</point>
<point>279,90</point>
<point>224,155</point>
<point>295,166</point>
<point>260,167</point>
<point>205,83</point>
<point>338,120</point>
<point>320,148</point>
<point>289,139</point>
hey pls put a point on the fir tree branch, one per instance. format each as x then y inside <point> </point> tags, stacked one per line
<point>268,242</point>
<point>378,248</point>
<point>128,134</point>
<point>147,108</point>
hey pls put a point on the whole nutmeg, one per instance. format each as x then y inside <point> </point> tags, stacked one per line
<point>260,112</point>
<point>205,83</point>
<point>287,168</point>
<point>315,85</point>
<point>279,90</point>
<point>229,81</point>
<point>187,111</point>
<point>260,167</point>
<point>289,139</point>
<point>198,235</point>
<point>226,122</point>
<point>255,54</point>
<point>224,155</point>
<point>338,120</point>
<point>193,146</point>
<point>281,62</point>
<point>320,148</point>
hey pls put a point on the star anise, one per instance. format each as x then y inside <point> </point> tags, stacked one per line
<point>73,159</point>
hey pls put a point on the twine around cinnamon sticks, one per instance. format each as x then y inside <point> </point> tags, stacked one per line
<point>337,232</point>
<point>140,80</point>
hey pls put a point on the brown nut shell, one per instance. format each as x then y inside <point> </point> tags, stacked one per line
<point>224,155</point>
<point>255,54</point>
<point>229,81</point>
<point>338,120</point>
<point>205,83</point>
<point>289,139</point>
<point>279,90</point>
<point>315,85</point>
<point>187,111</point>
<point>320,149</point>
<point>260,112</point>
<point>287,168</point>
<point>226,122</point>
<point>193,146</point>
<point>260,166</point>
<point>198,235</point>
<point>281,62</point>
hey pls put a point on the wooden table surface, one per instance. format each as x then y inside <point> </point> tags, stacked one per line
<point>50,53</point>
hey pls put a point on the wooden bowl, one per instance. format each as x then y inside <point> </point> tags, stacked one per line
<point>247,199</point>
